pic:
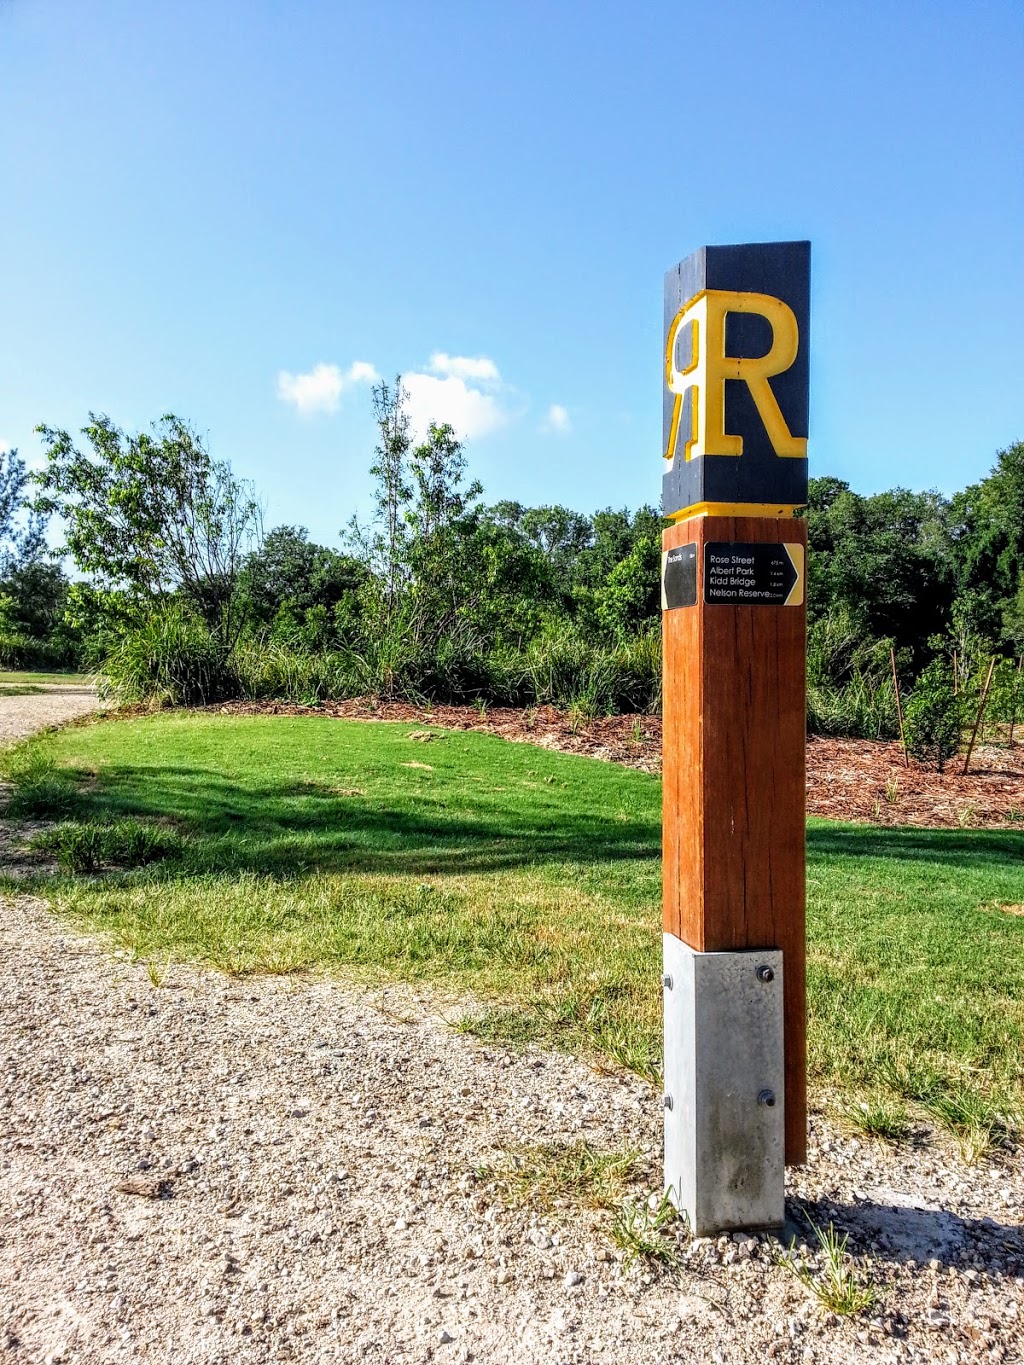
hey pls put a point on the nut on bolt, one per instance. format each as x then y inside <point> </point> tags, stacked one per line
<point>666,981</point>
<point>666,1101</point>
<point>765,973</point>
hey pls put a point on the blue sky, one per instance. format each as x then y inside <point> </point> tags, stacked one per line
<point>202,203</point>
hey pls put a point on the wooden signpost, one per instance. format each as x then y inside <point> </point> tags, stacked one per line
<point>734,614</point>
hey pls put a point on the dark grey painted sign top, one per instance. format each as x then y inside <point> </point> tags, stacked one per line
<point>708,328</point>
<point>748,574</point>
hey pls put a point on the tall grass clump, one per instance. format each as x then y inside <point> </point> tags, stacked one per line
<point>564,669</point>
<point>567,669</point>
<point>170,659</point>
<point>269,670</point>
<point>88,845</point>
<point>849,687</point>
<point>39,787</point>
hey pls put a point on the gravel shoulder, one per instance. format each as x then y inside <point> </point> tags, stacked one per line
<point>213,1170</point>
<point>21,716</point>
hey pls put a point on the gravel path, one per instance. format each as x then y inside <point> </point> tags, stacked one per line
<point>54,705</point>
<point>206,1170</point>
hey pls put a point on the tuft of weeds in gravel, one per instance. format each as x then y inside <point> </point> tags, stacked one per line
<point>648,1232</point>
<point>40,787</point>
<point>978,1122</point>
<point>503,1024</point>
<point>830,1274</point>
<point>157,974</point>
<point>590,1018</point>
<point>87,846</point>
<point>557,1173</point>
<point>623,1043</point>
<point>880,1116</point>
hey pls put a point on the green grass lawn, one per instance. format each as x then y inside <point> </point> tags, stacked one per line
<point>9,680</point>
<point>532,880</point>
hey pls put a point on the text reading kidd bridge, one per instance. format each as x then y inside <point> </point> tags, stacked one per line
<point>733,598</point>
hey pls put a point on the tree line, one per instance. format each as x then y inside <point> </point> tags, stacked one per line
<point>168,584</point>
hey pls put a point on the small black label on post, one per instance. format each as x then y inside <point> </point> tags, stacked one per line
<point>679,577</point>
<point>751,574</point>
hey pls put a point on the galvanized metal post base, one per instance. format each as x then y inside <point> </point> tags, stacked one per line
<point>724,1087</point>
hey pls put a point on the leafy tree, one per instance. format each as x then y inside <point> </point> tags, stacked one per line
<point>443,523</point>
<point>289,573</point>
<point>988,522</point>
<point>386,546</point>
<point>507,588</point>
<point>562,537</point>
<point>630,599</point>
<point>154,516</point>
<point>22,530</point>
<point>37,592</point>
<point>438,467</point>
<point>886,561</point>
<point>616,535</point>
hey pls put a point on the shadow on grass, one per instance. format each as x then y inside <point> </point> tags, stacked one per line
<point>289,826</point>
<point>955,847</point>
<point>280,828</point>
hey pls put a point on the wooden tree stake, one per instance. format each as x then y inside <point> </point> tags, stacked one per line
<point>1016,692</point>
<point>977,720</point>
<point>899,707</point>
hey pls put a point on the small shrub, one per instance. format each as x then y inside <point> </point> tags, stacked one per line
<point>933,716</point>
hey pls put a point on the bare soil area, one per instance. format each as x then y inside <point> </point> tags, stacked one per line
<point>194,1169</point>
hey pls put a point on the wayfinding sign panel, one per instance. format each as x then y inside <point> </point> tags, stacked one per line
<point>736,573</point>
<point>751,575</point>
<point>734,716</point>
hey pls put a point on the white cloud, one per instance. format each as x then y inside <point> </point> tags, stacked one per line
<point>557,420</point>
<point>470,411</point>
<point>320,389</point>
<point>361,372</point>
<point>477,367</point>
<point>5,445</point>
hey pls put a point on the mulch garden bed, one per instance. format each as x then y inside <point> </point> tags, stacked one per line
<point>847,779</point>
